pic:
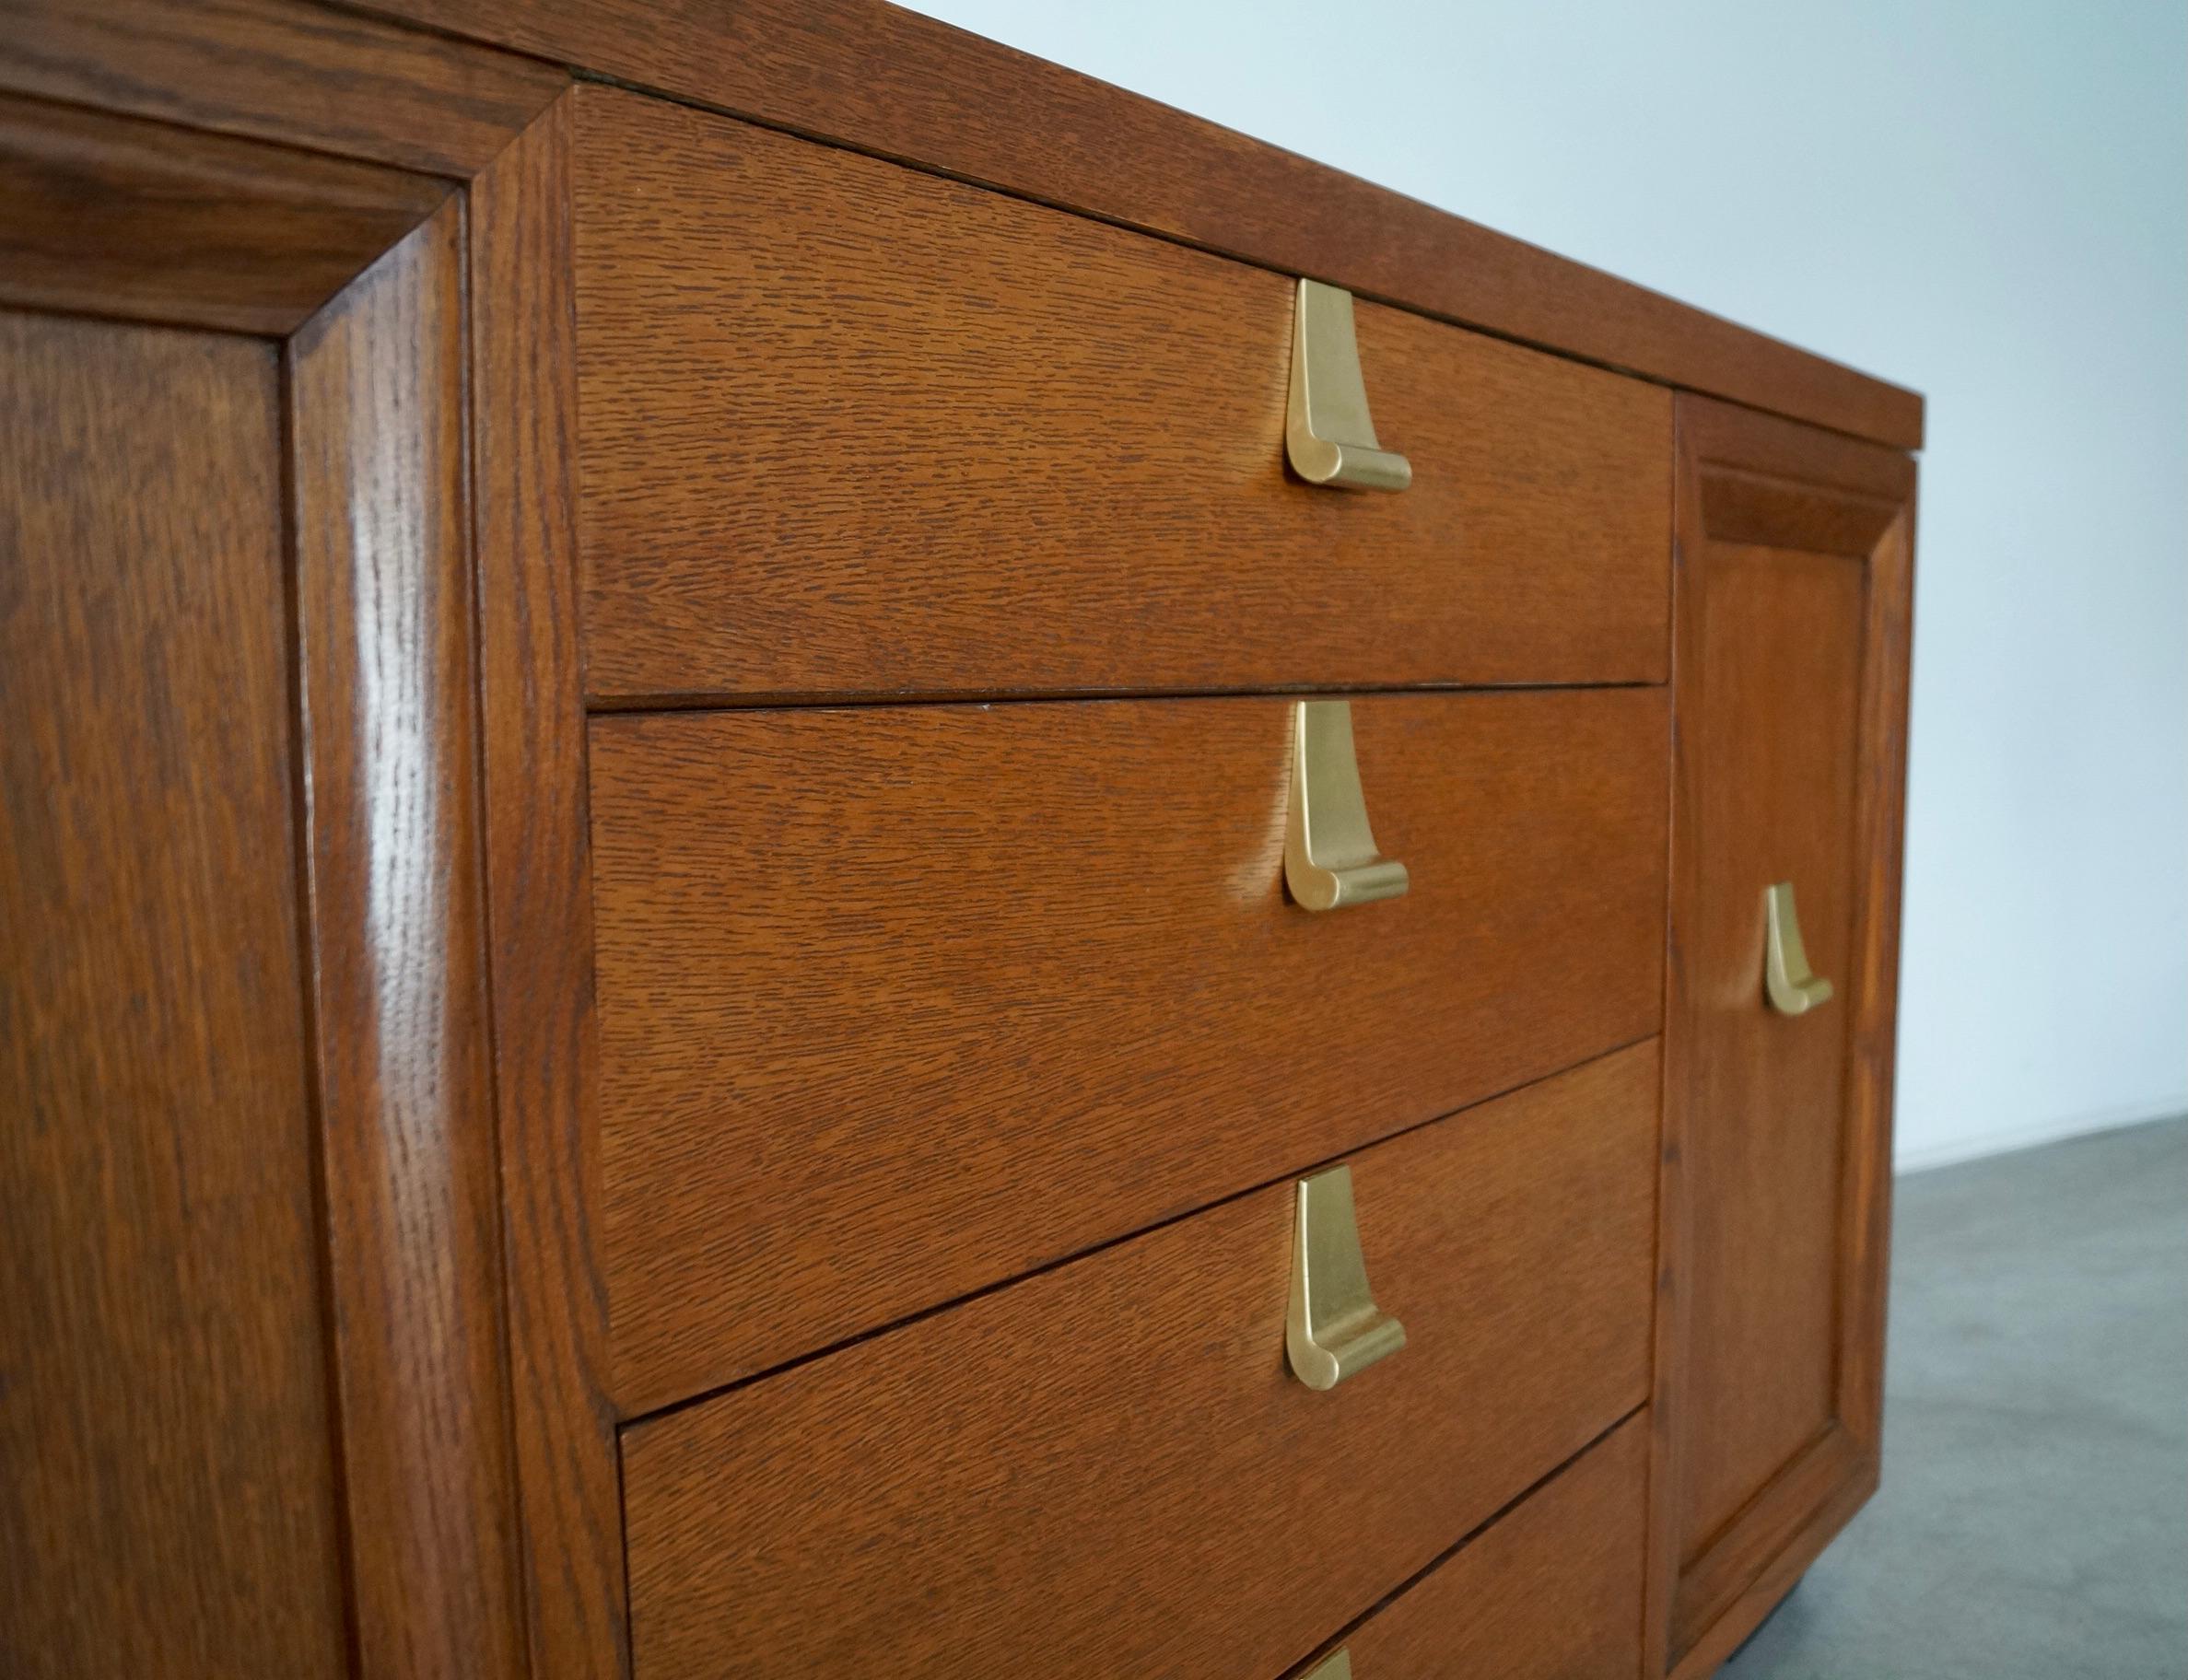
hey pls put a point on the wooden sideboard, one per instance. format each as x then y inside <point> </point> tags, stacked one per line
<point>679,688</point>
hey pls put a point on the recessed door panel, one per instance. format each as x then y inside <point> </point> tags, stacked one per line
<point>1780,658</point>
<point>167,1504</point>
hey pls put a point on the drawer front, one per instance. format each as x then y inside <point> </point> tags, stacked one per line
<point>898,1002</point>
<point>1106,1469</point>
<point>849,427</point>
<point>1550,1591</point>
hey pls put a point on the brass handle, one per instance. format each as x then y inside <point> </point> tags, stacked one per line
<point>1333,1329</point>
<point>1330,860</point>
<point>1792,986</point>
<point>1327,432</point>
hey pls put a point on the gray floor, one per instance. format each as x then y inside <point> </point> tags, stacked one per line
<point>2033,1520</point>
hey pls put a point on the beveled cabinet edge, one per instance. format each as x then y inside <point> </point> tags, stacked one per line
<point>396,975</point>
<point>900,86</point>
<point>1717,446</point>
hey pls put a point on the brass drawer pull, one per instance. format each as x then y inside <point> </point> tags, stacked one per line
<point>1792,986</point>
<point>1327,431</point>
<point>1330,860</point>
<point>1333,1329</point>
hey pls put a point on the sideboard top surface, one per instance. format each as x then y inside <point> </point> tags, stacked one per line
<point>872,77</point>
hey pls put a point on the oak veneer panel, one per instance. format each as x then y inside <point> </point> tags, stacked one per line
<point>1550,1591</point>
<point>281,70</point>
<point>896,1002</point>
<point>102,215</point>
<point>1106,1469</point>
<point>850,427</point>
<point>168,1504</point>
<point>1793,596</point>
<point>899,85</point>
<point>1778,645</point>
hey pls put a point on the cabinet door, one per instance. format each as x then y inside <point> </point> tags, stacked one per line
<point>1791,624</point>
<point>254,1418</point>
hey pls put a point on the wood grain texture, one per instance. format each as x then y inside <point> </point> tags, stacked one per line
<point>167,1489</point>
<point>1791,690</point>
<point>1106,1470</point>
<point>1772,718</point>
<point>898,1002</point>
<point>540,892</point>
<point>898,85</point>
<point>302,75</point>
<point>109,215</point>
<point>1787,1498</point>
<point>848,427</point>
<point>387,679</point>
<point>1779,1575</point>
<point>1550,1591</point>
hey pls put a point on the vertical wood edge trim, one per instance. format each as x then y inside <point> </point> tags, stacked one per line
<point>540,901</point>
<point>403,1060</point>
<point>1683,681</point>
<point>1880,835</point>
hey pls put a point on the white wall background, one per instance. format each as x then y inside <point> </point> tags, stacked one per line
<point>1984,199</point>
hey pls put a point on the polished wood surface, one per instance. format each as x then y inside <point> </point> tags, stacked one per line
<point>849,427</point>
<point>898,85</point>
<point>896,1002</point>
<point>107,216</point>
<point>1550,1591</point>
<point>167,1497</point>
<point>523,429</point>
<point>397,1264</point>
<point>283,70</point>
<point>387,690</point>
<point>343,1226</point>
<point>1106,1469</point>
<point>1790,657</point>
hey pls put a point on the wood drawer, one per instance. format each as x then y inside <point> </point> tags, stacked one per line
<point>898,1002</point>
<point>1106,1469</point>
<point>1550,1591</point>
<point>849,428</point>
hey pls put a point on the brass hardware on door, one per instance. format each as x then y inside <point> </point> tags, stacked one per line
<point>1330,860</point>
<point>1327,432</point>
<point>1337,1665</point>
<point>1333,1329</point>
<point>1792,986</point>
